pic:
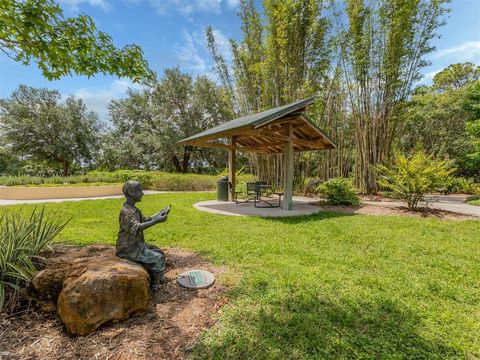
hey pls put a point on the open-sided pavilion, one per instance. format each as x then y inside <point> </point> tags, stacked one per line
<point>282,130</point>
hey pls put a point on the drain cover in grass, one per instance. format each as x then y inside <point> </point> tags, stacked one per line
<point>196,279</point>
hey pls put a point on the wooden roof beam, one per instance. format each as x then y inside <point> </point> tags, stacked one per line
<point>283,138</point>
<point>226,147</point>
<point>262,140</point>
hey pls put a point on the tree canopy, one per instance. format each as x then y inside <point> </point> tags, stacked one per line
<point>149,123</point>
<point>456,76</point>
<point>445,119</point>
<point>34,123</point>
<point>37,30</point>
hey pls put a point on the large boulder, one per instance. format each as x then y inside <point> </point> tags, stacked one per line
<point>92,286</point>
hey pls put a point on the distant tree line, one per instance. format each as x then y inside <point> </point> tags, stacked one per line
<point>40,134</point>
<point>361,59</point>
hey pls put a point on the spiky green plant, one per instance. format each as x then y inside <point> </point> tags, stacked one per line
<point>410,177</point>
<point>22,238</point>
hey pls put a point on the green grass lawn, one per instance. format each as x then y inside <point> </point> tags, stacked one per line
<point>323,286</point>
<point>475,202</point>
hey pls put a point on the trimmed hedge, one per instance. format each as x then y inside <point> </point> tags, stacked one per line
<point>153,180</point>
<point>104,177</point>
<point>184,182</point>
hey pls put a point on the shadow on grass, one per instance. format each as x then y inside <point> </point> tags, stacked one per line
<point>305,327</point>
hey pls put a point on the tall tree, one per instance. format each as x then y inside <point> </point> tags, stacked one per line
<point>445,120</point>
<point>131,144</point>
<point>386,41</point>
<point>176,107</point>
<point>34,123</point>
<point>37,29</point>
<point>281,57</point>
<point>279,60</point>
<point>436,121</point>
<point>456,76</point>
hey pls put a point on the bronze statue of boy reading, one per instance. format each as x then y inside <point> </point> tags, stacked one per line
<point>131,243</point>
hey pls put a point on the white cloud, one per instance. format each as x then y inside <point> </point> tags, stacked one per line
<point>188,54</point>
<point>428,77</point>
<point>74,5</point>
<point>232,3</point>
<point>97,99</point>
<point>223,45</point>
<point>468,51</point>
<point>193,55</point>
<point>187,7</point>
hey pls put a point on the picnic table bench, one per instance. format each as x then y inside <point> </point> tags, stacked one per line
<point>255,190</point>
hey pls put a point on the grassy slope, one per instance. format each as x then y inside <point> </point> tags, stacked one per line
<point>323,286</point>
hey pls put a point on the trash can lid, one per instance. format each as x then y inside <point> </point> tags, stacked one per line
<point>224,178</point>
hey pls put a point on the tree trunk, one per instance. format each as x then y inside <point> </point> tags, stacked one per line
<point>187,152</point>
<point>66,166</point>
<point>176,163</point>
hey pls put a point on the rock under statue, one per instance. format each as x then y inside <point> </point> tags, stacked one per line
<point>131,243</point>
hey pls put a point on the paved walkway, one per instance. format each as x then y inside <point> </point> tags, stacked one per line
<point>302,205</point>
<point>454,203</point>
<point>15,202</point>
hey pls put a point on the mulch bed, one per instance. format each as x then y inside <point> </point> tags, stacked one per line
<point>170,329</point>
<point>426,212</point>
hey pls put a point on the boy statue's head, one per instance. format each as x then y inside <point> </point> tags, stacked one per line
<point>133,190</point>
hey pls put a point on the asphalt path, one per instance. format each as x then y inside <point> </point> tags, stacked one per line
<point>455,203</point>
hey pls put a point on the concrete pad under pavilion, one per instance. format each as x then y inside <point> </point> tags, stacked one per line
<point>301,206</point>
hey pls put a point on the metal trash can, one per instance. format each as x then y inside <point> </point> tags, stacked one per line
<point>222,189</point>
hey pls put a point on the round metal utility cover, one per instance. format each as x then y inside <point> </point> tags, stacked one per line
<point>196,279</point>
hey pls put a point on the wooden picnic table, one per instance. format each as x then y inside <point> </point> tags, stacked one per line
<point>255,190</point>
<point>261,190</point>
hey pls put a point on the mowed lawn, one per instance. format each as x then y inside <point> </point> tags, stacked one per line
<point>323,286</point>
<point>475,202</point>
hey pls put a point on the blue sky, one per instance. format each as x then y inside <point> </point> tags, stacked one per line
<point>172,32</point>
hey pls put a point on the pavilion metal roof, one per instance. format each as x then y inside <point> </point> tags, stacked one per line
<point>264,132</point>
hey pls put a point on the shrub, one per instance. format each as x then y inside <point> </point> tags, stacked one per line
<point>310,186</point>
<point>154,180</point>
<point>184,182</point>
<point>339,191</point>
<point>409,178</point>
<point>20,180</point>
<point>462,185</point>
<point>119,176</point>
<point>22,238</point>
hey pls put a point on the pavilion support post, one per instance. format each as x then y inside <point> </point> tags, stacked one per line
<point>231,170</point>
<point>288,175</point>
